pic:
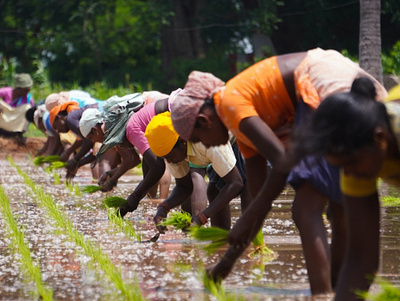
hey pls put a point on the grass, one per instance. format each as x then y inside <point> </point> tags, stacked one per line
<point>114,275</point>
<point>16,234</point>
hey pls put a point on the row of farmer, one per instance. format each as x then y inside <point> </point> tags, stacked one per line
<point>312,119</point>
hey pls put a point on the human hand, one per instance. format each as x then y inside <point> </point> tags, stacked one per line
<point>103,179</point>
<point>161,214</point>
<point>221,270</point>
<point>241,234</point>
<point>64,156</point>
<point>72,164</point>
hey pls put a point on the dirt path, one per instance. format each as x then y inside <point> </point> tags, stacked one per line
<point>9,146</point>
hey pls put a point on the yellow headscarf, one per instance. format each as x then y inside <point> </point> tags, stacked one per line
<point>161,135</point>
<point>393,93</point>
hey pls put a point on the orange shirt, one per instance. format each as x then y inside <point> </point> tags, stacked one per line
<point>257,91</point>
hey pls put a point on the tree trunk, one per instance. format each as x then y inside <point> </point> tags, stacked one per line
<point>181,39</point>
<point>370,38</point>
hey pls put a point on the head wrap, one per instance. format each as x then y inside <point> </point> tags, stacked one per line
<point>56,99</point>
<point>161,135</point>
<point>40,110</point>
<point>184,109</point>
<point>68,106</point>
<point>152,96</point>
<point>90,118</point>
<point>393,93</point>
<point>115,131</point>
<point>23,80</point>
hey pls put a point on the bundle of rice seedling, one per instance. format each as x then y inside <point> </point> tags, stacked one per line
<point>179,220</point>
<point>114,201</point>
<point>91,188</point>
<point>260,248</point>
<point>217,236</point>
<point>55,165</point>
<point>40,160</point>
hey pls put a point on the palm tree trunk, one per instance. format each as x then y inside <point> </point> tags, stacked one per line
<point>370,38</point>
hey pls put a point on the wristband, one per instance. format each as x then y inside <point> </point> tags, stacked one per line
<point>111,183</point>
<point>76,161</point>
<point>109,174</point>
<point>203,218</point>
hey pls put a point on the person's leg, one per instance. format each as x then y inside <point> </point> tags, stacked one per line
<point>108,161</point>
<point>362,256</point>
<point>338,240</point>
<point>222,218</point>
<point>152,193</point>
<point>198,200</point>
<point>308,207</point>
<point>164,184</point>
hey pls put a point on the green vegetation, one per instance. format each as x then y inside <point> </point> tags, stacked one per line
<point>125,226</point>
<point>387,292</point>
<point>217,236</point>
<point>178,219</point>
<point>112,201</point>
<point>127,291</point>
<point>16,235</point>
<point>261,250</point>
<point>91,188</point>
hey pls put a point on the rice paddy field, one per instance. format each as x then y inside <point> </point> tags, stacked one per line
<point>58,243</point>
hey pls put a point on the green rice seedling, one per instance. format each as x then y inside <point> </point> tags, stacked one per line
<point>124,225</point>
<point>91,188</point>
<point>217,236</point>
<point>387,292</point>
<point>19,245</point>
<point>217,289</point>
<point>388,201</point>
<point>114,275</point>
<point>114,201</point>
<point>261,250</point>
<point>55,165</point>
<point>51,158</point>
<point>39,160</point>
<point>179,220</point>
<point>57,180</point>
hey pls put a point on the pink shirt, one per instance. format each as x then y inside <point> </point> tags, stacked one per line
<point>138,122</point>
<point>6,95</point>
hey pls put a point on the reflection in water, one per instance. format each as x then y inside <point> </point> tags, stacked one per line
<point>169,269</point>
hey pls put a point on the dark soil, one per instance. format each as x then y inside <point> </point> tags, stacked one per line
<point>18,149</point>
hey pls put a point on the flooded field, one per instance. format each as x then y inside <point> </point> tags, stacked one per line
<point>169,269</point>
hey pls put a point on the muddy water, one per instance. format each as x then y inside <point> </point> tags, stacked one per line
<point>169,269</point>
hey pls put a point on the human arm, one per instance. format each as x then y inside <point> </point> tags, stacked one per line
<point>153,175</point>
<point>233,185</point>
<point>263,191</point>
<point>130,159</point>
<point>182,190</point>
<point>66,154</point>
<point>75,162</point>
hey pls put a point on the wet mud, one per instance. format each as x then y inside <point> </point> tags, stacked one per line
<point>169,269</point>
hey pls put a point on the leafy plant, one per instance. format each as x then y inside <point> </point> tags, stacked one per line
<point>217,236</point>
<point>114,201</point>
<point>16,234</point>
<point>91,188</point>
<point>179,220</point>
